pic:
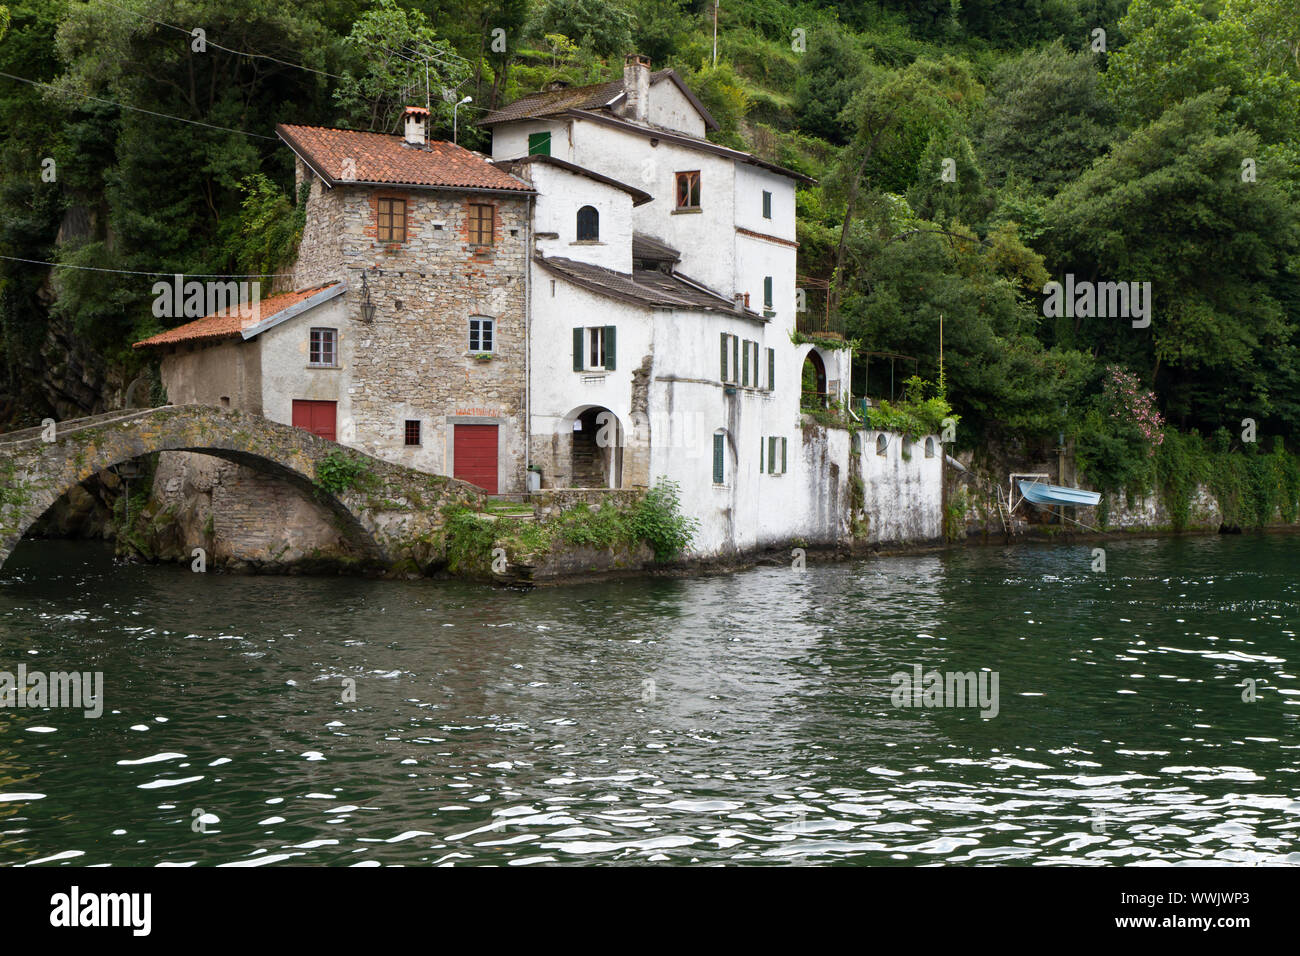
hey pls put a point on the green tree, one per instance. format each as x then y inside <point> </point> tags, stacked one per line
<point>829,73</point>
<point>894,115</point>
<point>1179,49</point>
<point>1169,206</point>
<point>398,59</point>
<point>1046,119</point>
<point>603,27</point>
<point>1000,379</point>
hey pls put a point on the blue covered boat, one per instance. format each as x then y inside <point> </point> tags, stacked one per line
<point>1044,494</point>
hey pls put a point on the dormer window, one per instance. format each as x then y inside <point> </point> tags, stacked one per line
<point>588,224</point>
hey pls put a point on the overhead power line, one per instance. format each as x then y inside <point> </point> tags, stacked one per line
<point>136,109</point>
<point>213,43</point>
<point>136,272</point>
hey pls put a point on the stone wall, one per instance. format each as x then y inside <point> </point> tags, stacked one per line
<point>244,519</point>
<point>558,500</point>
<point>414,361</point>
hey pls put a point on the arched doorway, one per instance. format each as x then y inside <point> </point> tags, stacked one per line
<point>814,392</point>
<point>596,450</point>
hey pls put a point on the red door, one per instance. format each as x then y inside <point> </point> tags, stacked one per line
<point>474,455</point>
<point>317,417</point>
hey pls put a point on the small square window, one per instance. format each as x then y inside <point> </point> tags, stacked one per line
<point>323,351</point>
<point>482,335</point>
<point>688,190</point>
<point>481,222</point>
<point>412,431</point>
<point>392,220</point>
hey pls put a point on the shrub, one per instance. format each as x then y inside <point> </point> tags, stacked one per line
<point>658,520</point>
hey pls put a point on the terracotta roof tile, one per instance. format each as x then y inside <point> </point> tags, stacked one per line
<point>381,158</point>
<point>229,323</point>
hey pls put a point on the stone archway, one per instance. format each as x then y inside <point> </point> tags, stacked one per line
<point>814,392</point>
<point>392,515</point>
<point>591,445</point>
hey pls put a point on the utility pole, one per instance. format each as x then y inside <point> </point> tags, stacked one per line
<point>942,386</point>
<point>455,128</point>
<point>715,33</point>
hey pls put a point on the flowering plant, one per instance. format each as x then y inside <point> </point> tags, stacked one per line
<point>1132,405</point>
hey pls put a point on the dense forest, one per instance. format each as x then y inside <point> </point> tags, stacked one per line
<point>966,153</point>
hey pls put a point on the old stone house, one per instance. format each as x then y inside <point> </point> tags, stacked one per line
<point>413,345</point>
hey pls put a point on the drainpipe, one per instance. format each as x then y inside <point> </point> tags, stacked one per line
<point>528,341</point>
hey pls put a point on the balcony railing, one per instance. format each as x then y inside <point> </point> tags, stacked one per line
<point>819,323</point>
<point>815,317</point>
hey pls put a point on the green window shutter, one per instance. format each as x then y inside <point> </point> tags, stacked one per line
<point>577,350</point>
<point>783,456</point>
<point>760,455</point>
<point>771,369</point>
<point>767,292</point>
<point>609,347</point>
<point>735,357</point>
<point>717,459</point>
<point>767,204</point>
<point>744,373</point>
<point>771,456</point>
<point>723,373</point>
<point>539,144</point>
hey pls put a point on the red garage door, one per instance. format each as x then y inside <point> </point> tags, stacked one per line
<point>317,417</point>
<point>474,455</point>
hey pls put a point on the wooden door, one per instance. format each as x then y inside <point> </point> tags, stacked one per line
<point>319,418</point>
<point>474,455</point>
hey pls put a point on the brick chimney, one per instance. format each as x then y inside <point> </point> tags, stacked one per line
<point>414,120</point>
<point>636,86</point>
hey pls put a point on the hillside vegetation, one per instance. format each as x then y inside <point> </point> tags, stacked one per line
<point>966,153</point>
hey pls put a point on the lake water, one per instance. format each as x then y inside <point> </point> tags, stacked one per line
<point>743,718</point>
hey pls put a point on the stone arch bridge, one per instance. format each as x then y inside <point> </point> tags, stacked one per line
<point>392,514</point>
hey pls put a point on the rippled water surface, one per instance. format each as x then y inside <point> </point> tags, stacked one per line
<point>742,719</point>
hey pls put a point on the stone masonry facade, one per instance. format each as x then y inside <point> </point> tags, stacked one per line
<point>414,360</point>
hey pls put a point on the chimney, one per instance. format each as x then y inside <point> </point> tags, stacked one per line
<point>636,86</point>
<point>414,119</point>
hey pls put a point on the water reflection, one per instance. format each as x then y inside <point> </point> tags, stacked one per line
<point>731,718</point>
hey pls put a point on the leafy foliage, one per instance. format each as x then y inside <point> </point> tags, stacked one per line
<point>340,472</point>
<point>658,520</point>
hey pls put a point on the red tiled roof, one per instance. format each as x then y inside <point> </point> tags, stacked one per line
<point>381,158</point>
<point>228,324</point>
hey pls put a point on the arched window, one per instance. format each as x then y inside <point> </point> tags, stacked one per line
<point>929,448</point>
<point>882,443</point>
<point>588,224</point>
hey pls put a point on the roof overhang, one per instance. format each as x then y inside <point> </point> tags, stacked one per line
<point>284,315</point>
<point>639,196</point>
<point>691,142</point>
